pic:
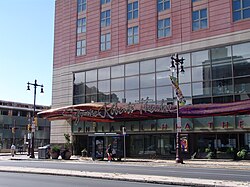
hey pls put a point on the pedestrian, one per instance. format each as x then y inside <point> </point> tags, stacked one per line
<point>109,152</point>
<point>113,154</point>
<point>13,149</point>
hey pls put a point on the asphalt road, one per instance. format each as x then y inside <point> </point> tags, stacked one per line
<point>113,167</point>
<point>30,180</point>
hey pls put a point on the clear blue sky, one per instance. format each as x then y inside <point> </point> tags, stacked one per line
<point>26,49</point>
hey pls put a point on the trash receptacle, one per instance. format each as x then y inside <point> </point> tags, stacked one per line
<point>44,152</point>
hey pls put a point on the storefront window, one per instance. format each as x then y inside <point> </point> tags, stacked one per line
<point>201,73</point>
<point>164,92</point>
<point>186,76</point>
<point>147,80</point>
<point>201,89</point>
<point>104,86</point>
<point>91,75</point>
<point>220,55</point>
<point>148,93</point>
<point>241,51</point>
<point>147,66</point>
<point>163,64</point>
<point>242,86</point>
<point>162,78</point>
<point>132,69</point>
<point>136,144</point>
<point>241,68</point>
<point>117,71</point>
<point>132,96</point>
<point>220,71</point>
<point>104,73</point>
<point>200,58</point>
<point>117,84</point>
<point>223,86</point>
<point>117,97</point>
<point>132,82</point>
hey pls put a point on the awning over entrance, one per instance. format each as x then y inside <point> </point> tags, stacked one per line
<point>103,112</point>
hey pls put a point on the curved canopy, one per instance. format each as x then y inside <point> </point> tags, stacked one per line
<point>103,112</point>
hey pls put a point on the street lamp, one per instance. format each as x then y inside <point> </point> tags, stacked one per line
<point>32,155</point>
<point>177,64</point>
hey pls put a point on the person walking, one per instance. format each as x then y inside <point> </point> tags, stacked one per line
<point>13,149</point>
<point>109,152</point>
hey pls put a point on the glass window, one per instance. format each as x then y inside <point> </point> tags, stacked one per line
<point>241,68</point>
<point>81,25</point>
<point>132,69</point>
<point>186,90</point>
<point>164,92</point>
<point>163,5</point>
<point>187,60</point>
<point>148,93</point>
<point>91,98</point>
<point>104,2</point>
<point>147,66</point>
<point>223,86</point>
<point>164,28</point>
<point>91,75</point>
<point>102,97</point>
<point>186,76</point>
<point>91,88</point>
<point>104,86</point>
<point>132,96</point>
<point>241,51</point>
<point>117,84</point>
<point>241,9</point>
<point>199,18</point>
<point>200,58</point>
<point>221,70</point>
<point>147,80</point>
<point>81,5</point>
<point>133,35</point>
<point>132,82</point>
<point>79,77</point>
<point>133,10</point>
<point>117,71</point>
<point>223,99</point>
<point>163,63</point>
<point>103,73</point>
<point>242,86</point>
<point>201,73</point>
<point>163,78</point>
<point>117,97</point>
<point>79,89</point>
<point>105,18</point>
<point>105,42</point>
<point>81,47</point>
<point>78,100</point>
<point>219,55</point>
<point>201,89</point>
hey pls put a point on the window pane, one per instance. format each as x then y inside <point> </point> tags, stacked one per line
<point>117,97</point>
<point>147,66</point>
<point>186,90</point>
<point>135,4</point>
<point>200,58</point>
<point>221,70</point>
<point>203,13</point>
<point>147,80</point>
<point>132,96</point>
<point>117,71</point>
<point>222,54</point>
<point>241,68</point>
<point>201,73</point>
<point>104,86</point>
<point>165,92</point>
<point>163,63</point>
<point>148,93</point>
<point>129,7</point>
<point>237,15</point>
<point>201,89</point>
<point>117,84</point>
<point>242,86</point>
<point>132,82</point>
<point>132,69</point>
<point>195,15</point>
<point>246,3</point>
<point>223,86</point>
<point>163,79</point>
<point>241,51</point>
<point>186,77</point>
<point>195,26</point>
<point>91,88</point>
<point>236,5</point>
<point>91,75</point>
<point>204,24</point>
<point>246,13</point>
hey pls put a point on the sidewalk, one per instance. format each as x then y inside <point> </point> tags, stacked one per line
<point>136,178</point>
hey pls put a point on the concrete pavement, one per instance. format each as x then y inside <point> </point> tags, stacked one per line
<point>245,165</point>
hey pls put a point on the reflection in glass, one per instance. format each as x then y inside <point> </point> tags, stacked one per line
<point>163,78</point>
<point>220,55</point>
<point>242,85</point>
<point>241,50</point>
<point>201,73</point>
<point>163,63</point>
<point>186,90</point>
<point>221,70</point>
<point>147,80</point>
<point>103,97</point>
<point>147,66</point>
<point>241,68</point>
<point>91,98</point>
<point>117,71</point>
<point>148,93</point>
<point>117,84</point>
<point>132,96</point>
<point>165,92</point>
<point>132,69</point>
<point>132,82</point>
<point>91,75</point>
<point>79,77</point>
<point>186,76</point>
<point>201,89</point>
<point>104,73</point>
<point>223,86</point>
<point>78,100</point>
<point>104,86</point>
<point>187,60</point>
<point>91,88</point>
<point>117,97</point>
<point>200,58</point>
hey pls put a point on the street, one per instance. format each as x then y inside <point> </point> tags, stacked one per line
<point>31,180</point>
<point>182,171</point>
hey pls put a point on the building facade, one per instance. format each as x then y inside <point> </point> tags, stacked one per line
<point>120,51</point>
<point>14,120</point>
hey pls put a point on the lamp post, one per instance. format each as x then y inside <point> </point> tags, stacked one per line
<point>32,155</point>
<point>177,64</point>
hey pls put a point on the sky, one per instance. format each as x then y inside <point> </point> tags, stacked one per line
<point>26,49</point>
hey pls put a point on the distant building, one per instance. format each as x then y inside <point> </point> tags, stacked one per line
<point>14,120</point>
<point>119,51</point>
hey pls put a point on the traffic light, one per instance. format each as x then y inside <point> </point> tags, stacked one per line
<point>13,129</point>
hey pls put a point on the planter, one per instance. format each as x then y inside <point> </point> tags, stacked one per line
<point>66,154</point>
<point>54,155</point>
